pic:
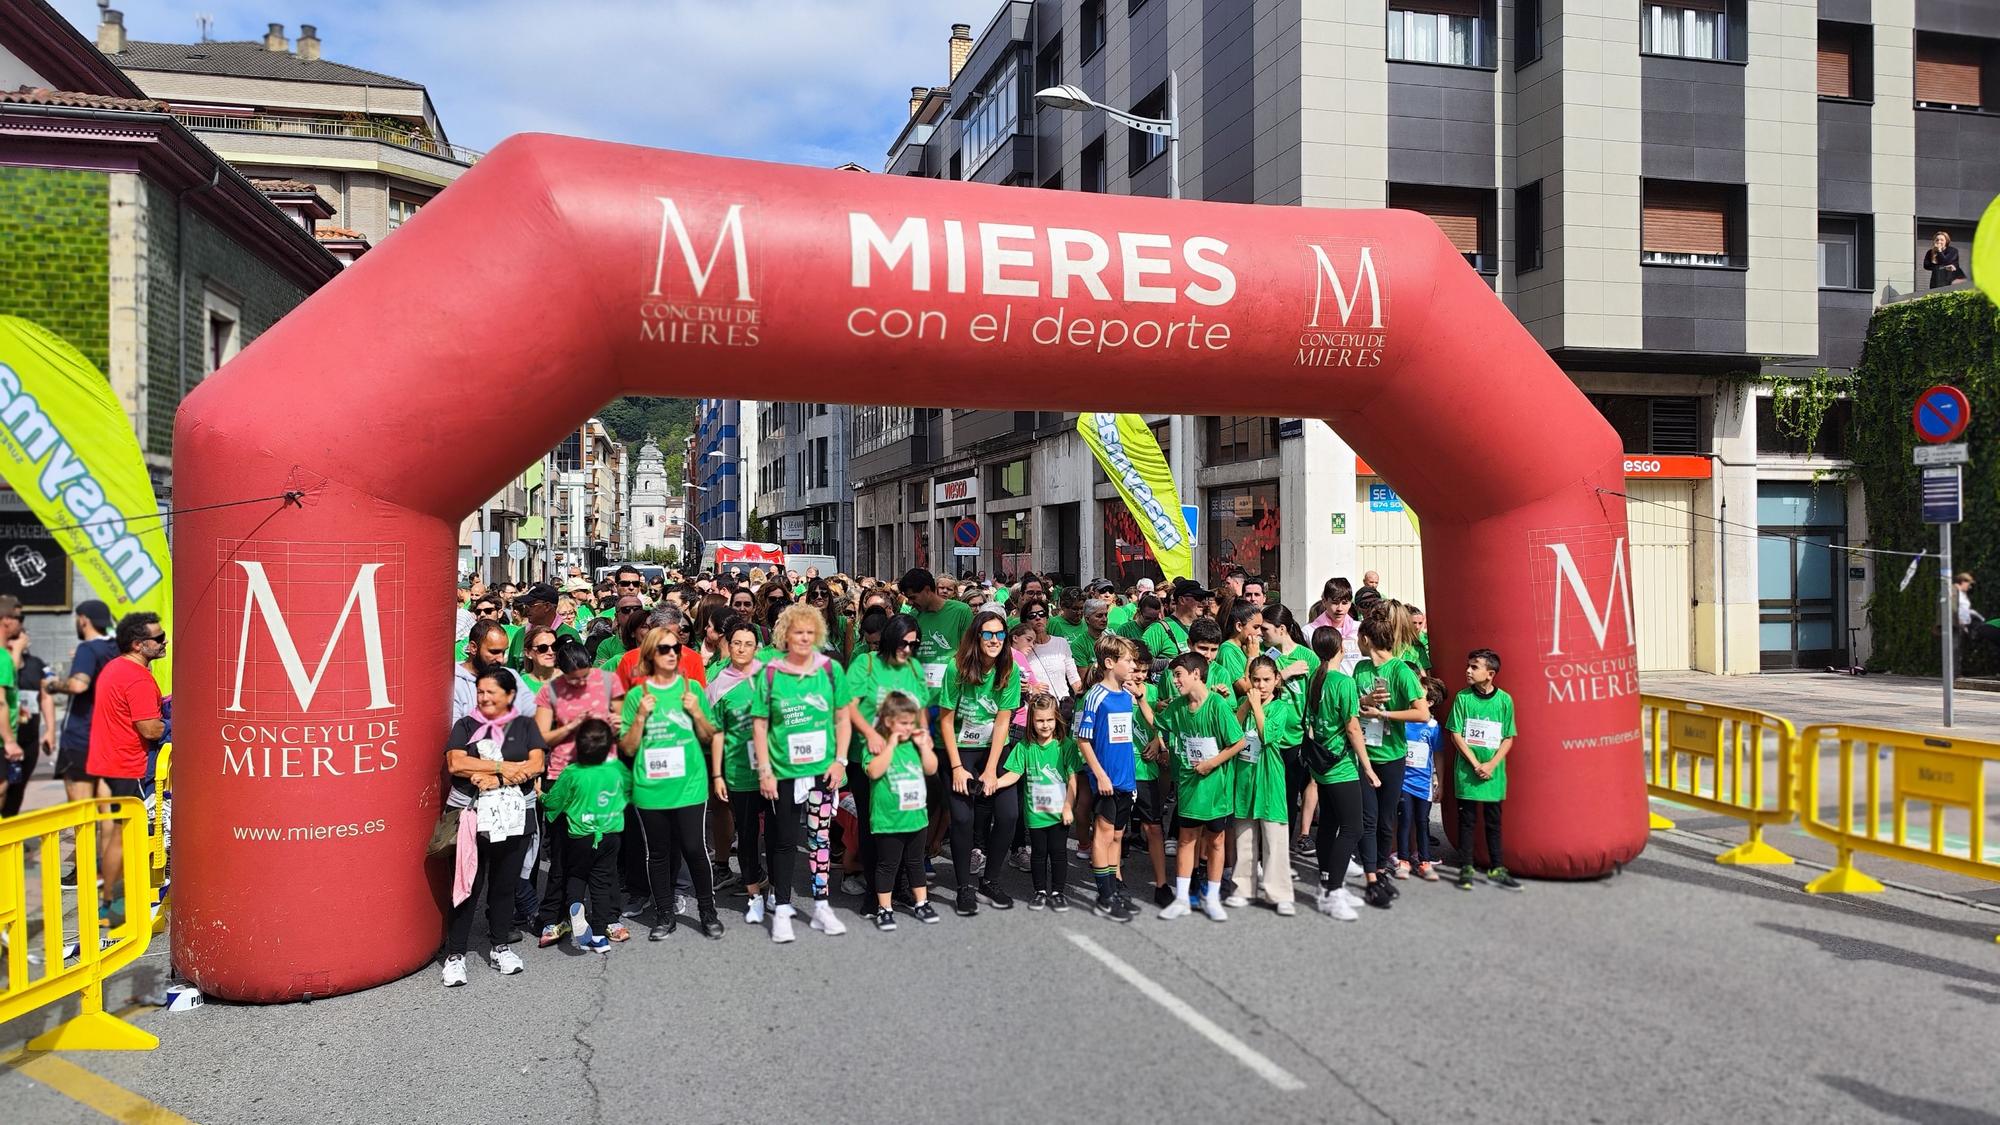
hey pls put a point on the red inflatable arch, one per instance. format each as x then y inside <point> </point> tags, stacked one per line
<point>313,693</point>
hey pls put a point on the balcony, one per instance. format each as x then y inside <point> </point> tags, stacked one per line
<point>333,128</point>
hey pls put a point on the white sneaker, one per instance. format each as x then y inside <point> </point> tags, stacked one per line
<point>781,924</point>
<point>1234,901</point>
<point>1083,855</point>
<point>505,961</point>
<point>454,970</point>
<point>755,915</point>
<point>1287,908</point>
<point>1171,846</point>
<point>978,862</point>
<point>1176,909</point>
<point>1354,870</point>
<point>1213,909</point>
<point>826,921</point>
<point>684,905</point>
<point>1335,905</point>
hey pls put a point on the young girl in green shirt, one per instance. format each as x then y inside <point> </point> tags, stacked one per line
<point>1271,726</point>
<point>1048,762</point>
<point>590,798</point>
<point>897,762</point>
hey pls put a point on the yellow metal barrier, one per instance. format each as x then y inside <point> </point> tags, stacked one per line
<point>100,951</point>
<point>1726,760</point>
<point>161,833</point>
<point>1935,775</point>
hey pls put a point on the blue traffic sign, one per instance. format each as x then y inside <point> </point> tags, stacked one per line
<point>965,533</point>
<point>1941,414</point>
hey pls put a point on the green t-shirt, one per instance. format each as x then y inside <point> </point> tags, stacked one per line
<point>1484,723</point>
<point>670,770</point>
<point>1260,765</point>
<point>977,707</point>
<point>592,797</point>
<point>734,711</point>
<point>1165,638</point>
<point>938,635</point>
<point>1339,703</point>
<point>10,682</point>
<point>1045,769</point>
<point>1195,734</point>
<point>1082,646</point>
<point>610,648</point>
<point>897,801</point>
<point>1385,737</point>
<point>1142,737</point>
<point>870,679</point>
<point>803,712</point>
<point>1120,614</point>
<point>1231,664</point>
<point>1423,651</point>
<point>532,686</point>
<point>1296,688</point>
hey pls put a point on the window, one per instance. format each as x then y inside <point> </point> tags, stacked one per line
<point>1465,215</point>
<point>1145,146</point>
<point>401,207</point>
<point>1527,32</point>
<point>224,337</point>
<point>822,475</point>
<point>1846,252</point>
<point>1949,73</point>
<point>1012,544</point>
<point>1438,31</point>
<point>919,496</point>
<point>1008,481</point>
<point>1093,166</point>
<point>1528,227</point>
<point>1846,61</point>
<point>1685,224</point>
<point>1048,65</point>
<point>1830,442</point>
<point>1132,7</point>
<point>994,113</point>
<point>1654,424</point>
<point>1692,29</point>
<point>1243,529</point>
<point>1234,438</point>
<point>1054,182</point>
<point>1093,27</point>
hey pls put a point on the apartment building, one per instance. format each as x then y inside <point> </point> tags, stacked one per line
<point>721,451</point>
<point>1681,199</point>
<point>802,490</point>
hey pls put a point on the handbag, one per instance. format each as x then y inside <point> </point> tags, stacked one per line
<point>444,835</point>
<point>1314,754</point>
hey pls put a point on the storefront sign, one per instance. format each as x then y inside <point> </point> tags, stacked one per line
<point>791,527</point>
<point>1382,498</point>
<point>962,491</point>
<point>1650,466</point>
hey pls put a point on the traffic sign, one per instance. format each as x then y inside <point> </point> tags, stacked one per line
<point>1941,414</point>
<point>1944,494</point>
<point>965,533</point>
<point>1955,453</point>
<point>517,550</point>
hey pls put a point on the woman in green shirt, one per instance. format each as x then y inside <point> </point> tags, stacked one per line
<point>890,666</point>
<point>539,665</point>
<point>801,732</point>
<point>1243,639</point>
<point>1390,695</point>
<point>674,749</point>
<point>1333,710</point>
<point>981,693</point>
<point>1271,727</point>
<point>1284,643</point>
<point>733,690</point>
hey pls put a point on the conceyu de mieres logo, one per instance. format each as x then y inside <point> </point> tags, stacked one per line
<point>703,287</point>
<point>1348,313</point>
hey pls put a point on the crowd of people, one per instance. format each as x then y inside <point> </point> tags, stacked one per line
<point>629,751</point>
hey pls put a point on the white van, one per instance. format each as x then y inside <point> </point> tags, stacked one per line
<point>828,567</point>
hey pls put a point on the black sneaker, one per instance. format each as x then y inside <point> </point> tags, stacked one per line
<point>1499,877</point>
<point>968,902</point>
<point>69,879</point>
<point>1058,902</point>
<point>1388,884</point>
<point>991,894</point>
<point>1162,895</point>
<point>1464,880</point>
<point>663,931</point>
<point>711,926</point>
<point>1376,895</point>
<point>1040,901</point>
<point>1104,905</point>
<point>1120,910</point>
<point>926,913</point>
<point>885,920</point>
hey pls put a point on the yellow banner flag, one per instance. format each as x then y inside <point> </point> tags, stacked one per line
<point>1131,457</point>
<point>67,447</point>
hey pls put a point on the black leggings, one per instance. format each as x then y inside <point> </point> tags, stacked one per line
<point>897,853</point>
<point>1049,856</point>
<point>499,877</point>
<point>999,812</point>
<point>750,812</point>
<point>857,787</point>
<point>1339,829</point>
<point>1297,777</point>
<point>783,830</point>
<point>678,834</point>
<point>1379,806</point>
<point>588,869</point>
<point>1469,811</point>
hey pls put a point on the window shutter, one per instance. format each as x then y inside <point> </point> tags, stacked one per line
<point>1948,74</point>
<point>1472,8</point>
<point>1697,5</point>
<point>1456,215</point>
<point>1836,59</point>
<point>1679,222</point>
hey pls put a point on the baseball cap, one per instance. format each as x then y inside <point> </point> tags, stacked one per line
<point>97,613</point>
<point>1188,588</point>
<point>578,586</point>
<point>540,592</point>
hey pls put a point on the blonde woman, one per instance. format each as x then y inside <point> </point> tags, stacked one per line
<point>800,733</point>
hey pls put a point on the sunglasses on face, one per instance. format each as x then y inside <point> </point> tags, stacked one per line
<point>988,635</point>
<point>541,648</point>
<point>631,583</point>
<point>1034,617</point>
<point>907,642</point>
<point>670,649</point>
<point>487,609</point>
<point>161,639</point>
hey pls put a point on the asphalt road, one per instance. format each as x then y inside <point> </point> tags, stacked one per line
<point>1677,991</point>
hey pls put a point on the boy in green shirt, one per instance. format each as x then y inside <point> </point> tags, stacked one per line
<point>1482,732</point>
<point>591,795</point>
<point>1201,729</point>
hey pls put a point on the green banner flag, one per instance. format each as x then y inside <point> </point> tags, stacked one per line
<point>1131,457</point>
<point>67,447</point>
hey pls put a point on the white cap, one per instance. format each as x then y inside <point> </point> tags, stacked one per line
<point>1144,586</point>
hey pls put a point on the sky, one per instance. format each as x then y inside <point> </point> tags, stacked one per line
<point>817,82</point>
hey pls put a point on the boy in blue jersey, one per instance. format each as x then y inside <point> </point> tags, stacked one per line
<point>1104,738</point>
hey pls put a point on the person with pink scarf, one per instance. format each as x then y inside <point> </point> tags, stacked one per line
<point>493,757</point>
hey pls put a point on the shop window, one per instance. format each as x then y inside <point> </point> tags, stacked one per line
<point>1008,481</point>
<point>1243,529</point>
<point>1127,556</point>
<point>1234,438</point>
<point>1012,545</point>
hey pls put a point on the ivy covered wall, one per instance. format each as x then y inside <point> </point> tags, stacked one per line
<point>1951,338</point>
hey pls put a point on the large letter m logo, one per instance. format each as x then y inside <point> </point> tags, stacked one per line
<point>730,235</point>
<point>260,599</point>
<point>1617,593</point>
<point>1326,276</point>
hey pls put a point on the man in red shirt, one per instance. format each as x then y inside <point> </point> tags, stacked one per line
<point>125,720</point>
<point>691,666</point>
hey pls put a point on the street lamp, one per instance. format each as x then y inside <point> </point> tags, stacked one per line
<point>1074,99</point>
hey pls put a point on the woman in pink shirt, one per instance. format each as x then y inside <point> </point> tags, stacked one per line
<point>579,691</point>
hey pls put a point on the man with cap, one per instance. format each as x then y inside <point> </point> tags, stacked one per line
<point>581,595</point>
<point>95,649</point>
<point>1168,637</point>
<point>613,647</point>
<point>537,606</point>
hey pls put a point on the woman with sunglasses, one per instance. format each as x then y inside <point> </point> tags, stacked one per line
<point>675,749</point>
<point>540,665</point>
<point>890,666</point>
<point>801,736</point>
<point>981,692</point>
<point>772,599</point>
<point>1054,657</point>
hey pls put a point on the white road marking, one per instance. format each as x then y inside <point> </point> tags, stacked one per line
<point>1266,1069</point>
